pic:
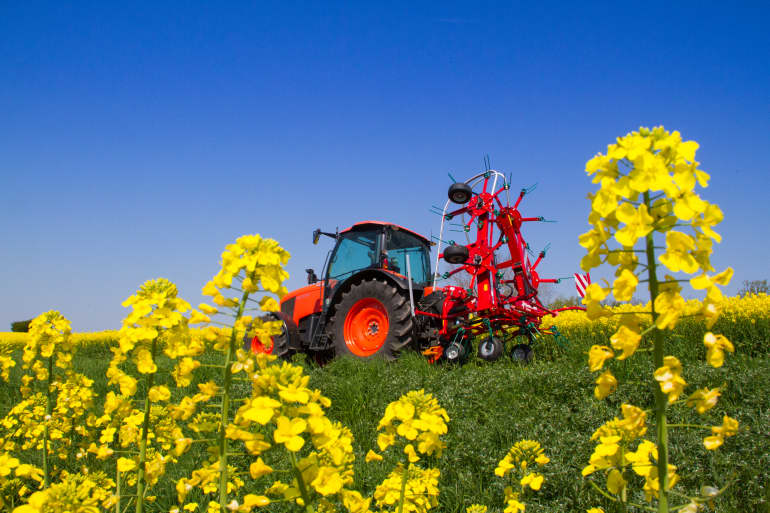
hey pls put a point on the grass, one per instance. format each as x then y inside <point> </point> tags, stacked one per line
<point>492,406</point>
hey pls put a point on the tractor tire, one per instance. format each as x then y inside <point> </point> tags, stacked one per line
<point>490,349</point>
<point>279,345</point>
<point>455,254</point>
<point>460,193</point>
<point>372,320</point>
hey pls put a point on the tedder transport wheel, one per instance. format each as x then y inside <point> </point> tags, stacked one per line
<point>456,254</point>
<point>522,353</point>
<point>490,349</point>
<point>279,345</point>
<point>372,320</point>
<point>460,193</point>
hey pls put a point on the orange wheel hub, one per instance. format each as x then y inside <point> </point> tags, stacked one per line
<point>366,327</point>
<point>258,347</point>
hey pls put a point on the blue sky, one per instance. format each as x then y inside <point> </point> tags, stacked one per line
<point>136,141</point>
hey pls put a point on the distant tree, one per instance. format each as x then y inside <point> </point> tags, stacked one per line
<point>20,326</point>
<point>754,287</point>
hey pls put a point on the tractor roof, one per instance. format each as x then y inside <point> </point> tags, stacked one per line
<point>364,224</point>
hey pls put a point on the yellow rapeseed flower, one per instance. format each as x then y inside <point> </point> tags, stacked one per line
<point>287,432</point>
<point>669,377</point>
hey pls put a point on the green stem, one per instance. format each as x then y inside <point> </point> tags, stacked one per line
<point>601,491</point>
<point>301,484</point>
<point>47,420</point>
<point>117,491</point>
<point>610,497</point>
<point>225,412</point>
<point>624,491</point>
<point>141,484</point>
<point>660,398</point>
<point>404,479</point>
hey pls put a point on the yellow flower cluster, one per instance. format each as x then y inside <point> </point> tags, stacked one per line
<point>612,453</point>
<point>615,436</point>
<point>419,419</point>
<point>519,461</point>
<point>75,493</point>
<point>737,311</point>
<point>729,427</point>
<point>282,412</point>
<point>155,324</point>
<point>55,419</point>
<point>49,335</point>
<point>260,260</point>
<point>657,162</point>
<point>251,261</point>
<point>418,486</point>
<point>16,478</point>
<point>12,340</point>
<point>106,337</point>
<point>415,421</point>
<point>156,321</point>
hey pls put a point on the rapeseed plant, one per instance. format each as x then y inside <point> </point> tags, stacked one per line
<point>646,191</point>
<point>518,463</point>
<point>143,436</point>
<point>53,417</point>
<point>251,265</point>
<point>415,424</point>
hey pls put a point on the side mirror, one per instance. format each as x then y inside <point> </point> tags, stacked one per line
<point>311,277</point>
<point>316,235</point>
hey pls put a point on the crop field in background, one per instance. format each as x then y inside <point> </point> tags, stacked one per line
<point>493,405</point>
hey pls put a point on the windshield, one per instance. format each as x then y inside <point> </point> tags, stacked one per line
<point>355,250</point>
<point>399,245</point>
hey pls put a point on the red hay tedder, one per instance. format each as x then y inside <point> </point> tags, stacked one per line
<point>378,295</point>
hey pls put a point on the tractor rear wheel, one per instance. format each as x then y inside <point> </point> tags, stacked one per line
<point>372,320</point>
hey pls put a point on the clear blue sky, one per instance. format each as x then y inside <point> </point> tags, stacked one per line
<point>137,140</point>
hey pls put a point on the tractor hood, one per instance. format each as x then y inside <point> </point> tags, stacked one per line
<point>303,302</point>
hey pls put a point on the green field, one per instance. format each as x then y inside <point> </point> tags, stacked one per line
<point>492,406</point>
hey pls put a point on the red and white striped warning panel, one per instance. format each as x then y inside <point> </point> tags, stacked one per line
<point>581,282</point>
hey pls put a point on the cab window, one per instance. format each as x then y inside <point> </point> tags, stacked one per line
<point>399,244</point>
<point>355,251</point>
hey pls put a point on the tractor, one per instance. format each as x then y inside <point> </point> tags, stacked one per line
<point>377,295</point>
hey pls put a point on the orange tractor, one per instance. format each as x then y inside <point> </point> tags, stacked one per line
<point>378,295</point>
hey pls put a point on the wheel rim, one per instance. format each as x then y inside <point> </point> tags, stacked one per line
<point>366,327</point>
<point>257,346</point>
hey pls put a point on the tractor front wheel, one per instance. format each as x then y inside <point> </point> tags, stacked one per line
<point>280,345</point>
<point>372,320</point>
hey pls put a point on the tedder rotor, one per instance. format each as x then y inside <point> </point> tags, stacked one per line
<point>377,294</point>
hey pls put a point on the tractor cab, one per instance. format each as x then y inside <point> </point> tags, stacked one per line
<point>377,245</point>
